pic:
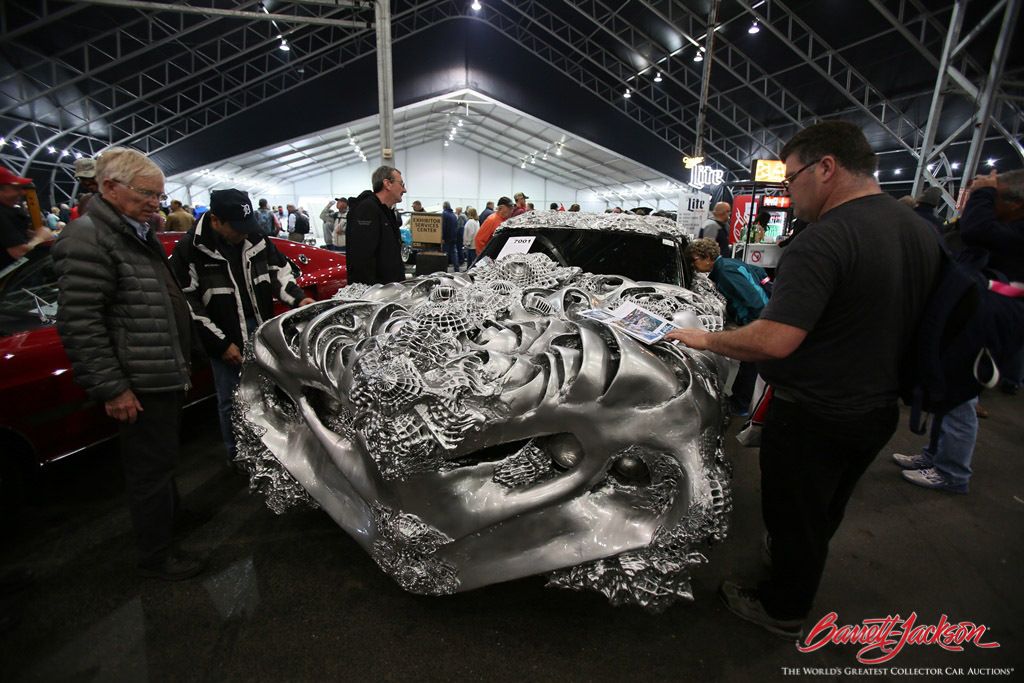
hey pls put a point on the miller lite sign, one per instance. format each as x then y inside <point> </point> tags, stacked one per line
<point>702,175</point>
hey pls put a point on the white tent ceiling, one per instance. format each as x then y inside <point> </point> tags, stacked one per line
<point>489,127</point>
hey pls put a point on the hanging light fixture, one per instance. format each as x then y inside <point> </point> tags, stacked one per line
<point>627,94</point>
<point>445,143</point>
<point>657,78</point>
<point>754,28</point>
<point>558,148</point>
<point>699,57</point>
<point>284,44</point>
<point>475,6</point>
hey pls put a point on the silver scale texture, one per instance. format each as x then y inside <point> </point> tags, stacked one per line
<point>473,428</point>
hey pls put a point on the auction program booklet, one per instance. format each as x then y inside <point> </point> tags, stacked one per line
<point>634,320</point>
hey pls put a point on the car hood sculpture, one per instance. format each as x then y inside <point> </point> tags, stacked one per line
<point>473,428</point>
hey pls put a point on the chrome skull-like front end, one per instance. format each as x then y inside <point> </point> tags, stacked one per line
<point>473,428</point>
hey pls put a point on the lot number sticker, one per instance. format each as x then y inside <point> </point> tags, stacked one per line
<point>516,245</point>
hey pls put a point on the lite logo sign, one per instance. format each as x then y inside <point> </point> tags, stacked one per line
<point>702,175</point>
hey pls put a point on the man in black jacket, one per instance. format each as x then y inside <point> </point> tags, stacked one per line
<point>229,269</point>
<point>125,326</point>
<point>373,241</point>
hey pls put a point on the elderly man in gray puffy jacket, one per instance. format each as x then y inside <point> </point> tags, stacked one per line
<point>126,328</point>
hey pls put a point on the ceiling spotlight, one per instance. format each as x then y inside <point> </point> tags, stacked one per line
<point>754,28</point>
<point>875,174</point>
<point>453,130</point>
<point>992,162</point>
<point>445,143</point>
<point>17,143</point>
<point>955,165</point>
<point>460,123</point>
<point>475,6</point>
<point>627,94</point>
<point>558,149</point>
<point>283,45</point>
<point>51,150</point>
<point>898,171</point>
<point>533,159</point>
<point>657,79</point>
<point>523,165</point>
<point>699,57</point>
<point>545,157</point>
<point>64,153</point>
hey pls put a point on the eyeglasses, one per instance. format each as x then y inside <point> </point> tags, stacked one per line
<point>790,178</point>
<point>148,195</point>
<point>400,182</point>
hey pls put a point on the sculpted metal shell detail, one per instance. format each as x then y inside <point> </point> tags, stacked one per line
<point>473,428</point>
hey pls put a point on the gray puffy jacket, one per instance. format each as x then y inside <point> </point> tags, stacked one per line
<point>115,316</point>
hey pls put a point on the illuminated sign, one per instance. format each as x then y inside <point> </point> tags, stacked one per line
<point>690,162</point>
<point>705,175</point>
<point>779,202</point>
<point>769,171</point>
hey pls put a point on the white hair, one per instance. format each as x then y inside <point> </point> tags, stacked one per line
<point>124,165</point>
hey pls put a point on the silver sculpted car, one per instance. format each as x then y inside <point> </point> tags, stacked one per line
<point>473,428</point>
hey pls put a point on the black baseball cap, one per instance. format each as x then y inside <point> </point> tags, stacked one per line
<point>505,201</point>
<point>235,208</point>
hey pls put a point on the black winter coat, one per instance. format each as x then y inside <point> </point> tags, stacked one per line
<point>213,295</point>
<point>373,242</point>
<point>115,315</point>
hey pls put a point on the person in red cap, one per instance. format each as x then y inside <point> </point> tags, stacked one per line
<point>17,236</point>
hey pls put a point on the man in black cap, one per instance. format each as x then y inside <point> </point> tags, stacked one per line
<point>17,236</point>
<point>223,250</point>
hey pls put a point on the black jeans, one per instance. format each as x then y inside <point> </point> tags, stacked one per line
<point>810,466</point>
<point>149,453</point>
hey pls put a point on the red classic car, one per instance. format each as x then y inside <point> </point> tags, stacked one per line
<point>45,415</point>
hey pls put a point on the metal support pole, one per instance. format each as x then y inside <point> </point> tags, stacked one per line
<point>385,85</point>
<point>938,96</point>
<point>995,72</point>
<point>702,110</point>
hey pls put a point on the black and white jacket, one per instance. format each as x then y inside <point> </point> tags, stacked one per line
<point>214,296</point>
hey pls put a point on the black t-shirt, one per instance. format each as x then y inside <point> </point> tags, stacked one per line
<point>857,281</point>
<point>15,226</point>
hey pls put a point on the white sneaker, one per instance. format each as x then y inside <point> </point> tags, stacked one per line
<point>912,462</point>
<point>931,478</point>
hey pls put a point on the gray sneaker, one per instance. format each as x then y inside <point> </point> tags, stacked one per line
<point>744,603</point>
<point>912,462</point>
<point>931,478</point>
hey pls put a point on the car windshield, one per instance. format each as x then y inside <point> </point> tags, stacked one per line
<point>28,292</point>
<point>634,255</point>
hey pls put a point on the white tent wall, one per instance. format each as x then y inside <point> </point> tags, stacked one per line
<point>434,174</point>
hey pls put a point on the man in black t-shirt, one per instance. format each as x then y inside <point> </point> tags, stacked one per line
<point>847,297</point>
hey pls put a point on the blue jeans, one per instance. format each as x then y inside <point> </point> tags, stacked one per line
<point>225,379</point>
<point>470,257</point>
<point>453,250</point>
<point>951,442</point>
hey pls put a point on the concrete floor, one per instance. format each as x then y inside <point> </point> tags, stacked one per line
<point>292,598</point>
